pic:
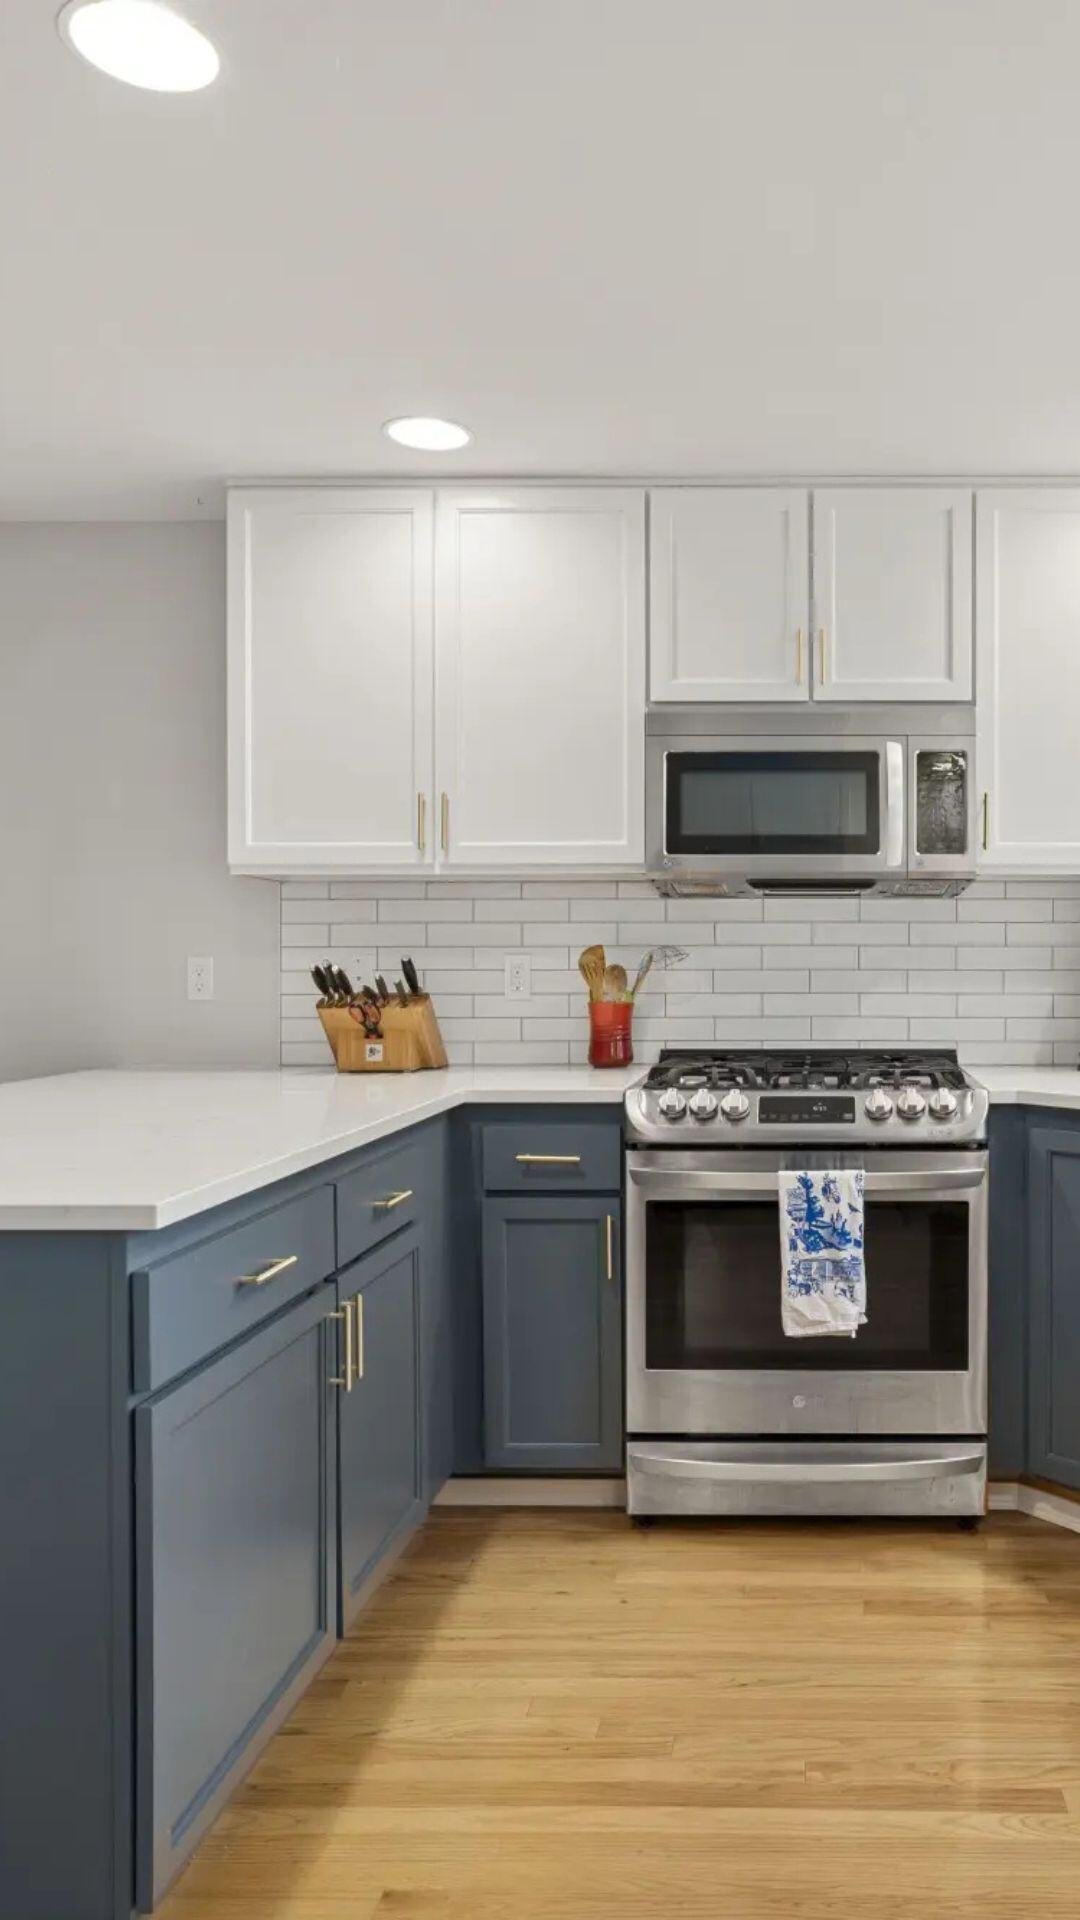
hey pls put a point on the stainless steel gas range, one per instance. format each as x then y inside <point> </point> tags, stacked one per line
<point>725,1414</point>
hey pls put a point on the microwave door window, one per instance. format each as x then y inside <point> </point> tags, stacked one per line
<point>775,803</point>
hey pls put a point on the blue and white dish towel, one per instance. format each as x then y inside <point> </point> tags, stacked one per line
<point>821,1238</point>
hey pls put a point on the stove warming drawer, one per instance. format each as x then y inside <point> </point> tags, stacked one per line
<point>812,1479</point>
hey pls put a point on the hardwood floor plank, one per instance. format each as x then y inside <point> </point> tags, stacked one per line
<point>554,1716</point>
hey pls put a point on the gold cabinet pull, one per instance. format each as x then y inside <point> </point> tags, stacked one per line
<point>421,822</point>
<point>393,1200</point>
<point>822,654</point>
<point>986,821</point>
<point>609,1244</point>
<point>548,1159</point>
<point>444,816</point>
<point>358,1357</point>
<point>268,1273</point>
<point>347,1379</point>
<point>798,656</point>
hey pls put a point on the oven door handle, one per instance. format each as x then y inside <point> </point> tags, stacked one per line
<point>802,1472</point>
<point>689,1184</point>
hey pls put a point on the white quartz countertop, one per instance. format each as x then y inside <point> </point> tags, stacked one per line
<point>128,1151</point>
<point>1029,1086</point>
<point>116,1151</point>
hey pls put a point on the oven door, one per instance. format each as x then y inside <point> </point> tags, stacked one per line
<point>706,1353</point>
<point>786,809</point>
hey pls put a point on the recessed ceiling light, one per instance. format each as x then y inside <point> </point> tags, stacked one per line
<point>429,436</point>
<point>142,42</point>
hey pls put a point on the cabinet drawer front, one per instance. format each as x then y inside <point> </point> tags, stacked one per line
<point>234,1478</point>
<point>545,1156</point>
<point>379,1198</point>
<point>189,1305</point>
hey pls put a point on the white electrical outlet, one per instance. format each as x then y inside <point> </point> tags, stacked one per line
<point>200,977</point>
<point>517,977</point>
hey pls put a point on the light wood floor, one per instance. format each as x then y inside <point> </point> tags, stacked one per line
<point>552,1715</point>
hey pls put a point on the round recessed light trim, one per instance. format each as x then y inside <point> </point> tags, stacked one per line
<point>427,434</point>
<point>142,42</point>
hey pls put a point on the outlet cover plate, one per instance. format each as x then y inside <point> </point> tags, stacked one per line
<point>517,977</point>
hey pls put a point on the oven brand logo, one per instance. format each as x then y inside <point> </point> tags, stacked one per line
<point>825,1234</point>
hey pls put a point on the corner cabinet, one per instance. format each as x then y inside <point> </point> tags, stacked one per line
<point>1028,708</point>
<point>404,699</point>
<point>540,670</point>
<point>330,679</point>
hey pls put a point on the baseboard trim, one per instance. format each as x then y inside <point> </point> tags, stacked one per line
<point>1040,1499</point>
<point>1042,1502</point>
<point>506,1490</point>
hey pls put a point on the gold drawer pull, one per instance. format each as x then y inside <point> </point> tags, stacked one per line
<point>548,1159</point>
<point>609,1236</point>
<point>986,822</point>
<point>798,656</point>
<point>444,835</point>
<point>349,1377</point>
<point>358,1369</point>
<point>267,1273</point>
<point>421,822</point>
<point>393,1200</point>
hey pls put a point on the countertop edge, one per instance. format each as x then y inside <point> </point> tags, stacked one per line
<point>147,1217</point>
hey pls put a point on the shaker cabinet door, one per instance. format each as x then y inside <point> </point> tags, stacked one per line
<point>729,593</point>
<point>892,593</point>
<point>378,1409</point>
<point>330,679</point>
<point>234,1529</point>
<point>1054,1334</point>
<point>552,1334</point>
<point>540,669</point>
<point>1028,709</point>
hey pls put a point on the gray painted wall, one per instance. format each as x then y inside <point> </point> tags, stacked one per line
<point>112,808</point>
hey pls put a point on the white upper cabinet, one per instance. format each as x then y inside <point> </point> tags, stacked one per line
<point>330,678</point>
<point>1028,708</point>
<point>729,593</point>
<point>892,593</point>
<point>540,677</point>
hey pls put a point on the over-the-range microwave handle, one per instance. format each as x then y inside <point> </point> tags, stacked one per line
<point>690,1183</point>
<point>802,1471</point>
<point>894,804</point>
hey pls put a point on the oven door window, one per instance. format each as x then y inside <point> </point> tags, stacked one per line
<point>773,803</point>
<point>712,1292</point>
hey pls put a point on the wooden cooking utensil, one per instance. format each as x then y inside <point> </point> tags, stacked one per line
<point>591,964</point>
<point>614,981</point>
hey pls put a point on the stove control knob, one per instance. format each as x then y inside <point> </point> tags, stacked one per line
<point>703,1104</point>
<point>879,1104</point>
<point>735,1105</point>
<point>942,1104</point>
<point>673,1104</point>
<point>910,1105</point>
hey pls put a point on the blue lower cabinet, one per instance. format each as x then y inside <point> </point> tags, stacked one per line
<point>378,1409</point>
<point>552,1334</point>
<point>235,1572</point>
<point>1054,1303</point>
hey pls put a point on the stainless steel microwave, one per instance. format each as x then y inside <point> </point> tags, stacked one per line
<point>733,807</point>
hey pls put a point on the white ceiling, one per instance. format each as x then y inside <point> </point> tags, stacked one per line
<point>612,236</point>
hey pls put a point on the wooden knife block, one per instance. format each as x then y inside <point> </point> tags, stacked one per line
<point>410,1039</point>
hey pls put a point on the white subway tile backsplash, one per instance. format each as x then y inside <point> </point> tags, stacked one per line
<point>995,973</point>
